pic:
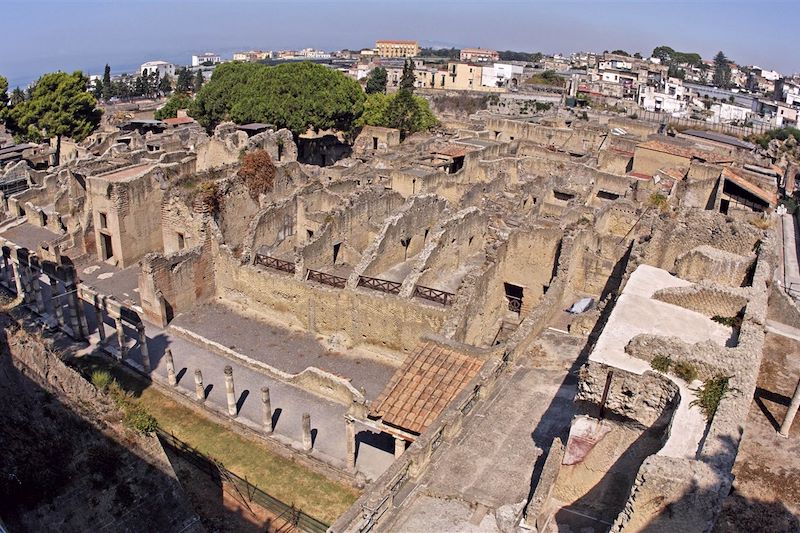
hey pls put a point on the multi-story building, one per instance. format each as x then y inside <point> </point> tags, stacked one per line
<point>206,59</point>
<point>397,48</point>
<point>311,53</point>
<point>163,68</point>
<point>667,97</point>
<point>252,55</point>
<point>479,54</point>
<point>501,75</point>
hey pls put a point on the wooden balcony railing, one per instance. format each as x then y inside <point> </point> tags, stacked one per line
<point>391,287</point>
<point>434,295</point>
<point>327,279</point>
<point>274,262</point>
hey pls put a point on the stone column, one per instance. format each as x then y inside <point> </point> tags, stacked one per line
<point>73,304</point>
<point>121,339</point>
<point>307,432</point>
<point>350,437</point>
<point>143,349</point>
<point>36,288</point>
<point>100,317</point>
<point>266,410</point>
<point>19,282</point>
<point>57,303</point>
<point>790,414</point>
<point>230,392</point>
<point>199,390</point>
<point>399,447</point>
<point>6,271</point>
<point>171,377</point>
<point>25,276</point>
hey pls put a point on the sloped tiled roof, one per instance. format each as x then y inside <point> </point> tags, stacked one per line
<point>683,151</point>
<point>769,197</point>
<point>424,386</point>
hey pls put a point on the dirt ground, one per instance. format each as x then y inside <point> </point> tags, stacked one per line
<point>221,508</point>
<point>766,495</point>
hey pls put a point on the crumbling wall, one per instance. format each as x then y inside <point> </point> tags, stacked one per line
<point>708,263</point>
<point>272,226</point>
<point>237,209</point>
<point>178,219</point>
<point>174,283</point>
<point>710,300</point>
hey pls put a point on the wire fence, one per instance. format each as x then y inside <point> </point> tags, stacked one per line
<point>248,492</point>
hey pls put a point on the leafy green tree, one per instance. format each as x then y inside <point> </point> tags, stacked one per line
<point>3,93</point>
<point>165,85</point>
<point>170,109</point>
<point>17,96</point>
<point>663,53</point>
<point>722,70</point>
<point>198,81</point>
<point>297,96</point>
<point>403,111</point>
<point>621,53</point>
<point>97,89</point>
<point>107,87</point>
<point>376,81</point>
<point>184,81</point>
<point>59,105</point>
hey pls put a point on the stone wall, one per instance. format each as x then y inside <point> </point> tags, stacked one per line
<point>710,300</point>
<point>705,262</point>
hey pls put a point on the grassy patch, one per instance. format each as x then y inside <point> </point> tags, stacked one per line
<point>730,321</point>
<point>710,394</point>
<point>280,477</point>
<point>686,371</point>
<point>662,363</point>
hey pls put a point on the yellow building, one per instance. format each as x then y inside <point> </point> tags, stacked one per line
<point>463,77</point>
<point>395,48</point>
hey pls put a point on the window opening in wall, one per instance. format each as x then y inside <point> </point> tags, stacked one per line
<point>181,241</point>
<point>469,243</point>
<point>425,237</point>
<point>514,295</point>
<point>723,206</point>
<point>309,233</point>
<point>103,221</point>
<point>280,152</point>
<point>20,211</point>
<point>605,195</point>
<point>405,242</point>
<point>336,251</point>
<point>374,143</point>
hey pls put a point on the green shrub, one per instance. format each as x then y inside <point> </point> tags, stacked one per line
<point>730,321</point>
<point>662,363</point>
<point>137,417</point>
<point>101,379</point>
<point>710,394</point>
<point>686,371</point>
<point>659,201</point>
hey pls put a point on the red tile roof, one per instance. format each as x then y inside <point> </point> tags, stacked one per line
<point>178,121</point>
<point>683,151</point>
<point>770,197</point>
<point>424,386</point>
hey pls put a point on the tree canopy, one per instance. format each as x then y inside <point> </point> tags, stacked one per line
<point>184,82</point>
<point>672,57</point>
<point>376,81</point>
<point>58,105</point>
<point>296,96</point>
<point>3,94</point>
<point>384,110</point>
<point>170,109</point>
<point>722,70</point>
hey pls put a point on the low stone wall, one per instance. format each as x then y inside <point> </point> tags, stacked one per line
<point>708,263</point>
<point>709,300</point>
<point>782,307</point>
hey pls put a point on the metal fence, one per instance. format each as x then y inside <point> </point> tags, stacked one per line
<point>246,490</point>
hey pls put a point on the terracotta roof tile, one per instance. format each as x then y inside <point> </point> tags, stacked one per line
<point>424,386</point>
<point>682,151</point>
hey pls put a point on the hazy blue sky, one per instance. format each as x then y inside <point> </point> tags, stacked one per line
<point>38,36</point>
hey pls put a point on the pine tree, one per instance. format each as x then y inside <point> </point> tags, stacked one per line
<point>407,79</point>
<point>17,96</point>
<point>106,92</point>
<point>184,83</point>
<point>165,85</point>
<point>97,89</point>
<point>198,81</point>
<point>376,82</point>
<point>722,70</point>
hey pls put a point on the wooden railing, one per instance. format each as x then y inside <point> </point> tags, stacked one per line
<point>327,279</point>
<point>274,262</point>
<point>392,287</point>
<point>434,295</point>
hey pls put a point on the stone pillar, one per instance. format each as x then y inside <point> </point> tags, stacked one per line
<point>100,317</point>
<point>307,432</point>
<point>171,377</point>
<point>266,410</point>
<point>121,339</point>
<point>36,288</point>
<point>143,349</point>
<point>399,447</point>
<point>19,282</point>
<point>57,302</point>
<point>199,390</point>
<point>6,271</point>
<point>230,392</point>
<point>790,414</point>
<point>25,276</point>
<point>350,438</point>
<point>73,304</point>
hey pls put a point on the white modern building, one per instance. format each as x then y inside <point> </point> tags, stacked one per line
<point>207,57</point>
<point>162,67</point>
<point>501,75</point>
<point>669,97</point>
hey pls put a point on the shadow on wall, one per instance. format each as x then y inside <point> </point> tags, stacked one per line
<point>322,151</point>
<point>41,481</point>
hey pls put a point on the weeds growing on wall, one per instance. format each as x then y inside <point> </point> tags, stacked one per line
<point>133,415</point>
<point>710,393</point>
<point>662,363</point>
<point>686,371</point>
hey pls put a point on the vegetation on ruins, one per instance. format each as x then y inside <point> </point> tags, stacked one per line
<point>780,134</point>
<point>381,110</point>
<point>134,415</point>
<point>730,321</point>
<point>296,96</point>
<point>376,81</point>
<point>710,394</point>
<point>658,201</point>
<point>684,370</point>
<point>170,109</point>
<point>662,363</point>
<point>58,106</point>
<point>548,77</point>
<point>258,172</point>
